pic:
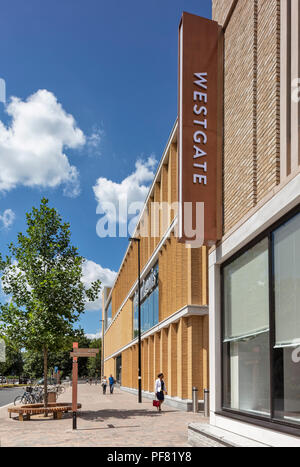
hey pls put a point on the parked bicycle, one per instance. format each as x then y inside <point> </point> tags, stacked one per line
<point>59,389</point>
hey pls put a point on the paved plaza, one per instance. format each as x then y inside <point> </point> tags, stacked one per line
<point>112,420</point>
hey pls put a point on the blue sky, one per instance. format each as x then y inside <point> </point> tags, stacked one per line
<point>112,66</point>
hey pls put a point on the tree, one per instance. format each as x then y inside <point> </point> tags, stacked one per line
<point>94,363</point>
<point>44,280</point>
<point>33,363</point>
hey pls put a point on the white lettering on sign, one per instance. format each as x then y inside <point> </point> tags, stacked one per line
<point>200,135</point>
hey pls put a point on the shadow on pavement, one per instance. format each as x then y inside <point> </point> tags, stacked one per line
<point>101,415</point>
<point>109,427</point>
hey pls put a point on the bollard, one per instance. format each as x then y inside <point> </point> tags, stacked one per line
<point>195,400</point>
<point>206,403</point>
<point>74,420</point>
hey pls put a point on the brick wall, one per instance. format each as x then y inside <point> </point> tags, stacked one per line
<point>251,165</point>
<point>221,9</point>
<point>180,351</point>
<point>268,96</point>
<point>165,190</point>
<point>120,332</point>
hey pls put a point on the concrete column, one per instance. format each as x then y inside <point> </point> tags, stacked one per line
<point>214,336</point>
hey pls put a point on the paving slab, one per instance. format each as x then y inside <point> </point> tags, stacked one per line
<point>104,420</point>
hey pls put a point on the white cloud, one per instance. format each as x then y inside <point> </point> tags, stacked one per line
<point>93,141</point>
<point>133,189</point>
<point>7,218</point>
<point>94,336</point>
<point>32,146</point>
<point>92,272</point>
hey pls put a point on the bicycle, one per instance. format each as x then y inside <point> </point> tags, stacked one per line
<point>26,398</point>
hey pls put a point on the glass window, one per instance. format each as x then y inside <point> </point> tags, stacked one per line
<point>246,287</point>
<point>287,283</point>
<point>287,320</point>
<point>246,332</point>
<point>149,304</point>
<point>135,318</point>
<point>248,351</point>
<point>108,316</point>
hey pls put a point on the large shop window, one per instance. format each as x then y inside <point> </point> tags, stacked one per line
<point>287,322</point>
<point>261,327</point>
<point>149,303</point>
<point>246,340</point>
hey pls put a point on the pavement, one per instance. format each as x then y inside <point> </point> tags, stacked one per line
<point>116,420</point>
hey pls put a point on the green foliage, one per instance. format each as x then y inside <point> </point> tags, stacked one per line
<point>33,361</point>
<point>43,277</point>
<point>44,283</point>
<point>94,364</point>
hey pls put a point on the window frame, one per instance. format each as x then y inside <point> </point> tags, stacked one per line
<point>271,421</point>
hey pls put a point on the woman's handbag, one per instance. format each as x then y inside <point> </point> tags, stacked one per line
<point>155,403</point>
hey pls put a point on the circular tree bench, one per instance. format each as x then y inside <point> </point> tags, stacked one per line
<point>57,409</point>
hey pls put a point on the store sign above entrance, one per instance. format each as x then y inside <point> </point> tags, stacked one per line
<point>197,130</point>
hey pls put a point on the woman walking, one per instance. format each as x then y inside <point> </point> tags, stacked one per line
<point>160,390</point>
<point>104,384</point>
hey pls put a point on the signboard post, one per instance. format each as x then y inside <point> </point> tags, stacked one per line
<point>77,353</point>
<point>74,387</point>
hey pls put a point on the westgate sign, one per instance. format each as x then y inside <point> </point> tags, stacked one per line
<point>197,135</point>
<point>147,286</point>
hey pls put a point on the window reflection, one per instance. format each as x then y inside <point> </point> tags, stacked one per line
<point>149,303</point>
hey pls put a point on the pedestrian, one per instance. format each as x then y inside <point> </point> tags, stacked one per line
<point>160,390</point>
<point>104,384</point>
<point>91,381</point>
<point>111,383</point>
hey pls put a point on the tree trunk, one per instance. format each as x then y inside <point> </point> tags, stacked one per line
<point>45,378</point>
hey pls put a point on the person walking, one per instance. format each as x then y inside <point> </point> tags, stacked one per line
<point>111,383</point>
<point>160,390</point>
<point>104,384</point>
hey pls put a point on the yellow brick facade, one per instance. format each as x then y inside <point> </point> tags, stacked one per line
<point>178,349</point>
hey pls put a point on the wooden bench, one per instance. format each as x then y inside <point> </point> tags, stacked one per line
<point>25,411</point>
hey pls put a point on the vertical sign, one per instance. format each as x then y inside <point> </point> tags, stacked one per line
<point>197,130</point>
<point>74,387</point>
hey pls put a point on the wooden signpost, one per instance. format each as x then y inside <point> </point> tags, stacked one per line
<point>77,353</point>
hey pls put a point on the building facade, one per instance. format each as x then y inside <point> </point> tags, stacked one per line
<point>174,300</point>
<point>253,287</point>
<point>254,271</point>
